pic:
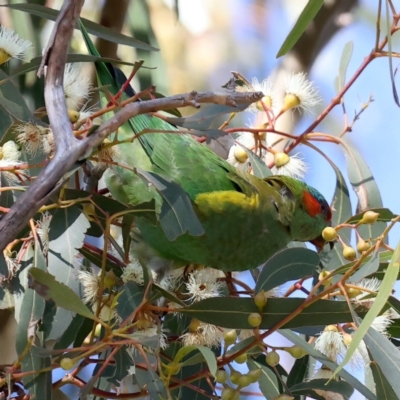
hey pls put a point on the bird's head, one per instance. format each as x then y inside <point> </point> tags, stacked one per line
<point>311,213</point>
<point>316,208</point>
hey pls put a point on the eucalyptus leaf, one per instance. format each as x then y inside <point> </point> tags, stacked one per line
<point>46,286</point>
<point>387,356</point>
<point>177,215</point>
<point>268,381</point>
<point>31,311</point>
<point>286,265</point>
<point>384,390</point>
<point>379,302</point>
<point>365,187</point>
<point>341,387</point>
<point>130,298</point>
<point>260,169</point>
<point>92,27</point>
<point>233,312</point>
<point>344,63</point>
<point>354,382</point>
<point>66,234</point>
<point>298,373</point>
<point>307,15</point>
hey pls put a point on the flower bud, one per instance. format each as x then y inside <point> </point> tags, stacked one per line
<point>254,375</point>
<point>228,394</point>
<point>67,363</point>
<point>352,292</point>
<point>240,154</point>
<point>329,234</point>
<point>241,359</point>
<point>144,323</point>
<point>73,116</point>
<point>230,337</point>
<point>369,217</point>
<point>235,375</point>
<point>110,279</point>
<point>97,331</point>
<point>347,338</point>
<point>362,245</point>
<point>194,325</point>
<point>281,159</point>
<point>221,376</point>
<point>290,101</point>
<point>254,319</point>
<point>322,276</point>
<point>267,100</point>
<point>260,300</point>
<point>272,358</point>
<point>296,351</point>
<point>243,381</point>
<point>349,253</point>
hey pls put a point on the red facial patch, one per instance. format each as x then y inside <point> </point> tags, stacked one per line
<point>311,204</point>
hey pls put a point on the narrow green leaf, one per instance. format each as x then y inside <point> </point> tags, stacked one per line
<point>341,387</point>
<point>71,332</point>
<point>369,268</point>
<point>298,373</point>
<point>385,215</point>
<point>344,63</point>
<point>31,310</point>
<point>305,18</point>
<point>380,301</point>
<point>168,295</point>
<point>46,286</point>
<point>260,169</point>
<point>296,339</point>
<point>386,355</point>
<point>92,27</point>
<point>268,381</point>
<point>208,355</point>
<point>149,378</point>
<point>14,110</point>
<point>287,265</point>
<point>18,106</point>
<point>388,21</point>
<point>365,187</point>
<point>66,234</point>
<point>232,312</point>
<point>131,297</point>
<point>383,388</point>
<point>177,215</point>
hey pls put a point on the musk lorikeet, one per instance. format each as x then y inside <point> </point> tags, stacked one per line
<point>245,219</point>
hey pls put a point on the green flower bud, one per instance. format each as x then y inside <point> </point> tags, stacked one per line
<point>254,319</point>
<point>254,375</point>
<point>241,359</point>
<point>272,358</point>
<point>329,234</point>
<point>221,376</point>
<point>230,337</point>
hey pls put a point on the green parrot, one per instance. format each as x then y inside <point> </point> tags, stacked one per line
<point>246,219</point>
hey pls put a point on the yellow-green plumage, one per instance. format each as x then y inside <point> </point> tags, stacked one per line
<point>245,219</point>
